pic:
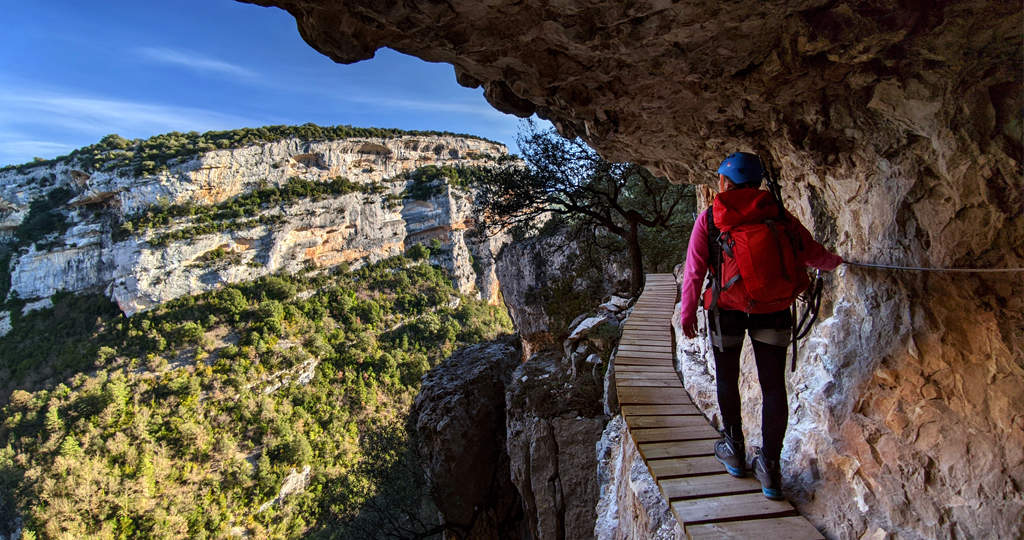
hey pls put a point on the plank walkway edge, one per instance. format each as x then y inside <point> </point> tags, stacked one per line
<point>675,439</point>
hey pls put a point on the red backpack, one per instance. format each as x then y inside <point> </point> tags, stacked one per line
<point>754,254</point>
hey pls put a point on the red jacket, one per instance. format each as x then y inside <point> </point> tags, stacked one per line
<point>747,202</point>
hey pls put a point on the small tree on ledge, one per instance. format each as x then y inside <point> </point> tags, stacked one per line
<point>567,178</point>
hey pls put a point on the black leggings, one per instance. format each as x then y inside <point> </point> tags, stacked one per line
<point>771,373</point>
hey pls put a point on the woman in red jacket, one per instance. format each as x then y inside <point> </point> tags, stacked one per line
<point>769,325</point>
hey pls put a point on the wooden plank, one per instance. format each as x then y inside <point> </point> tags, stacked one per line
<point>653,396</point>
<point>660,421</point>
<point>687,466</point>
<point>647,346</point>
<point>666,368</point>
<point>637,351</point>
<point>647,375</point>
<point>640,361</point>
<point>729,507</point>
<point>663,331</point>
<point>650,341</point>
<point>660,335</point>
<point>707,486</point>
<point>688,433</point>
<point>651,410</point>
<point>646,332</point>
<point>678,449</point>
<point>783,528</point>
<point>651,383</point>
<point>652,348</point>
<point>646,356</point>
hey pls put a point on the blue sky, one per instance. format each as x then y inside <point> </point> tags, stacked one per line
<point>72,72</point>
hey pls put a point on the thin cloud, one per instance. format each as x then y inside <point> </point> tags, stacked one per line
<point>195,62</point>
<point>87,118</point>
<point>16,149</point>
<point>88,114</point>
<point>477,109</point>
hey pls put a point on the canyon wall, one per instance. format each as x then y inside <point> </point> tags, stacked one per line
<point>896,131</point>
<point>148,267</point>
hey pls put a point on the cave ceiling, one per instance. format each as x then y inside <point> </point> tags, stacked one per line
<point>675,85</point>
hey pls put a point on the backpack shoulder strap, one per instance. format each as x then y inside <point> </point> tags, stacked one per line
<point>714,248</point>
<point>715,258</point>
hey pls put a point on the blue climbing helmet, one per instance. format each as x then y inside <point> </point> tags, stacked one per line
<point>742,168</point>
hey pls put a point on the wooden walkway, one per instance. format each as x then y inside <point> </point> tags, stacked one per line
<point>677,442</point>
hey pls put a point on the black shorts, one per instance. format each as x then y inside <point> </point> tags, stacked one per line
<point>771,328</point>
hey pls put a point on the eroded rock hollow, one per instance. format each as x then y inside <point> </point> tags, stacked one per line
<point>896,129</point>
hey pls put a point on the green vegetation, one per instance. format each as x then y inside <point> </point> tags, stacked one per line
<point>228,215</point>
<point>146,156</point>
<point>44,217</point>
<point>184,420</point>
<point>429,180</point>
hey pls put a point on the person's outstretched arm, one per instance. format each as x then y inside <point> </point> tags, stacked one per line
<point>693,275</point>
<point>812,253</point>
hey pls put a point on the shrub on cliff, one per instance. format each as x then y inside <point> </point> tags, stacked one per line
<point>566,178</point>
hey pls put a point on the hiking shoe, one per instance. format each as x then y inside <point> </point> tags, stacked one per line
<point>767,472</point>
<point>730,452</point>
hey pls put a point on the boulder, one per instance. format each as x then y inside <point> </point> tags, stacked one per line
<point>459,421</point>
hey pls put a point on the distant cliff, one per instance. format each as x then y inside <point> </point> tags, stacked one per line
<point>144,232</point>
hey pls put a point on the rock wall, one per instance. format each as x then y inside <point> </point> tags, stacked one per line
<point>553,422</point>
<point>459,419</point>
<point>352,228</point>
<point>896,129</point>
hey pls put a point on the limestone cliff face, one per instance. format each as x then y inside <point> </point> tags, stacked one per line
<point>352,228</point>
<point>896,130</point>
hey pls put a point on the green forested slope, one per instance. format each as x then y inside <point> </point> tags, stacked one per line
<point>146,156</point>
<point>184,421</point>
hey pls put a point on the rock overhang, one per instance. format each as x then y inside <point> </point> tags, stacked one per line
<point>676,85</point>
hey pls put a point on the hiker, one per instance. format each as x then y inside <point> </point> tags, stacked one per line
<point>733,310</point>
